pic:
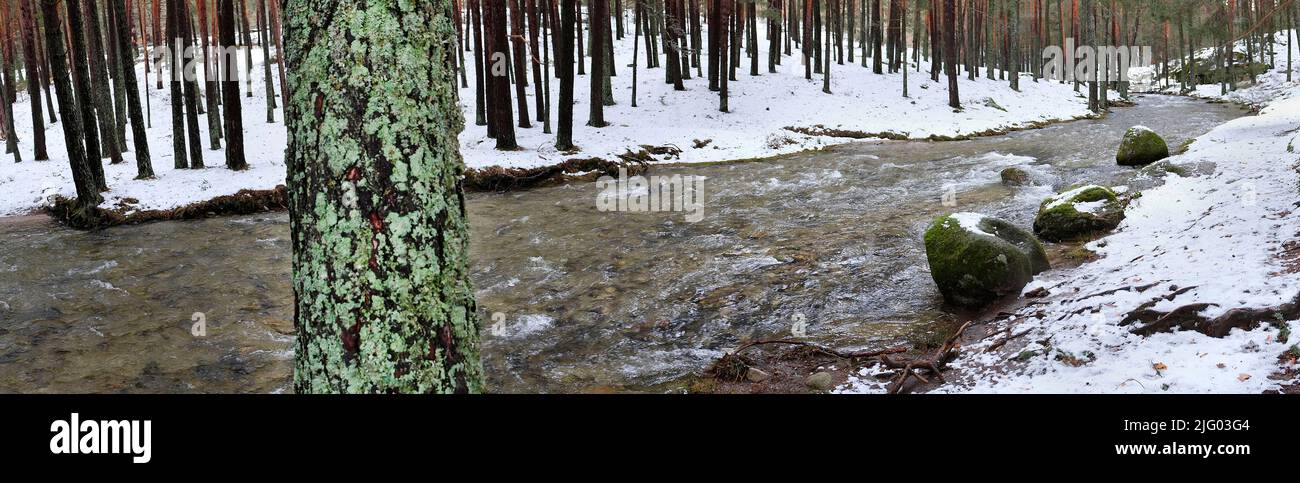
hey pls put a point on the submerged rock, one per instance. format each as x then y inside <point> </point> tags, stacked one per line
<point>1078,213</point>
<point>1141,146</point>
<point>1014,176</point>
<point>976,259</point>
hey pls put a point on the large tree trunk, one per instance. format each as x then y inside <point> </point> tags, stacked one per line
<point>380,262</point>
<point>598,12</point>
<point>497,65</point>
<point>144,166</point>
<point>83,178</point>
<point>81,83</point>
<point>950,51</point>
<point>230,88</point>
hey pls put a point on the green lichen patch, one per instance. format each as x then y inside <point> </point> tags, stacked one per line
<point>976,259</point>
<point>1141,146</point>
<point>1078,213</point>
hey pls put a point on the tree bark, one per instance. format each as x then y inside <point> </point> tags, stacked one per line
<point>564,67</point>
<point>379,228</point>
<point>143,165</point>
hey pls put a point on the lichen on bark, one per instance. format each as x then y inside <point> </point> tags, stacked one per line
<point>384,301</point>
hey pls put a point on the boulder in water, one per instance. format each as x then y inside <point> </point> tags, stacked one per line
<point>1141,146</point>
<point>976,259</point>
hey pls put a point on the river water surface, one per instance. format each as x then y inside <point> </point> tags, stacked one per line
<point>586,300</point>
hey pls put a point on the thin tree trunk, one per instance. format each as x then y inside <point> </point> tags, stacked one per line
<point>34,80</point>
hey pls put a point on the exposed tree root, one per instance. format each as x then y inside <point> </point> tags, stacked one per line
<point>496,178</point>
<point>1188,317</point>
<point>242,203</point>
<point>935,363</point>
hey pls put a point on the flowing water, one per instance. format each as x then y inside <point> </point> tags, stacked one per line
<point>572,299</point>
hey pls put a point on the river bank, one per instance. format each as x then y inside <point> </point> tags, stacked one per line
<point>1196,291</point>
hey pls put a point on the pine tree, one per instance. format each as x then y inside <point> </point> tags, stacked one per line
<point>599,15</point>
<point>34,80</point>
<point>234,125</point>
<point>180,158</point>
<point>564,68</point>
<point>144,166</point>
<point>363,326</point>
<point>88,197</point>
<point>100,92</point>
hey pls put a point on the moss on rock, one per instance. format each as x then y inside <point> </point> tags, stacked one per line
<point>976,259</point>
<point>1141,146</point>
<point>1078,213</point>
<point>1014,176</point>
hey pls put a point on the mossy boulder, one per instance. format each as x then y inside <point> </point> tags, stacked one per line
<point>976,259</point>
<point>1014,176</point>
<point>1141,146</point>
<point>1078,213</point>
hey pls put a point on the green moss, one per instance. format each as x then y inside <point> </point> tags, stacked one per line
<point>1141,146</point>
<point>1059,219</point>
<point>972,269</point>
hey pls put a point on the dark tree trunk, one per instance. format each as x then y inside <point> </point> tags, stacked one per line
<point>500,123</point>
<point>34,80</point>
<point>143,165</point>
<point>564,67</point>
<point>85,105</point>
<point>100,92</point>
<point>191,88</point>
<point>521,67</point>
<point>234,125</point>
<point>83,177</point>
<point>370,329</point>
<point>950,51</point>
<point>177,92</point>
<point>476,19</point>
<point>598,12</point>
<point>211,92</point>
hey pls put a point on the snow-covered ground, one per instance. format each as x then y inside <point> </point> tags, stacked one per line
<point>761,108</point>
<point>1213,239</point>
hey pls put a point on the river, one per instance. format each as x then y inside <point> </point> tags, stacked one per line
<point>586,300</point>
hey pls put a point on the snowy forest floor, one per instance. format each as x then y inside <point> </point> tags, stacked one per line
<point>762,108</point>
<point>1199,247</point>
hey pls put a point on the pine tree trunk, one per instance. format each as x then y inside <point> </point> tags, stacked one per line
<point>369,330</point>
<point>177,92</point>
<point>500,114</point>
<point>598,12</point>
<point>210,73</point>
<point>81,84</point>
<point>520,68</point>
<point>950,51</point>
<point>100,92</point>
<point>83,177</point>
<point>564,68</point>
<point>143,165</point>
<point>234,118</point>
<point>34,81</point>
<point>191,87</point>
